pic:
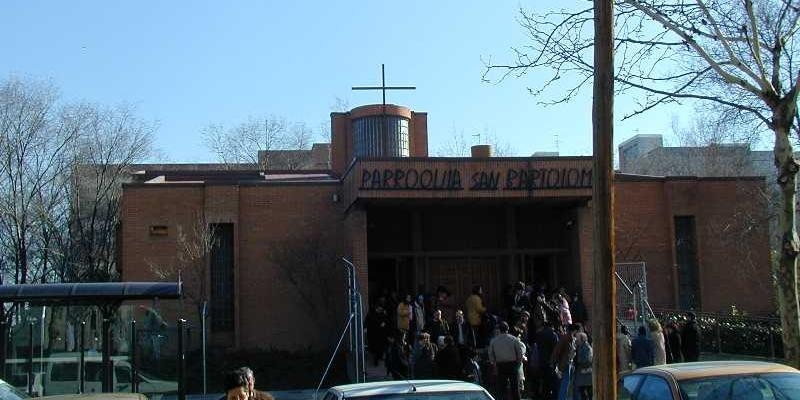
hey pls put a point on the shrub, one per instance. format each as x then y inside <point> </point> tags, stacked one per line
<point>734,334</point>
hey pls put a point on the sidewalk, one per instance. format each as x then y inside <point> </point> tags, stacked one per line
<point>376,373</point>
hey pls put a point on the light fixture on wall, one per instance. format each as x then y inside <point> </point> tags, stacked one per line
<point>335,197</point>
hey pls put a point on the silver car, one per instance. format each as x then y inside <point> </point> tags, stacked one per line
<point>408,390</point>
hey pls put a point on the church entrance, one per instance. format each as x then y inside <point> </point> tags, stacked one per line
<point>415,250</point>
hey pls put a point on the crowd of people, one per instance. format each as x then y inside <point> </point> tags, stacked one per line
<point>534,343</point>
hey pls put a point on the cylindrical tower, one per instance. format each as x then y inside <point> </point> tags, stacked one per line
<point>379,134</point>
<point>377,131</point>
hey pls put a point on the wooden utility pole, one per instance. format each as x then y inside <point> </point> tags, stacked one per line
<point>604,304</point>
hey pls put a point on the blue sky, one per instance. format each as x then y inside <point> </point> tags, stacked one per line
<point>187,64</point>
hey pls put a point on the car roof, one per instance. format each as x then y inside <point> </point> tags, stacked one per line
<point>399,387</point>
<point>704,369</point>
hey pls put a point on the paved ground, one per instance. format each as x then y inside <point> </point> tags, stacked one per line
<point>376,372</point>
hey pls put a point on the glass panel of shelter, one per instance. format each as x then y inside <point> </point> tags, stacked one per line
<point>58,337</point>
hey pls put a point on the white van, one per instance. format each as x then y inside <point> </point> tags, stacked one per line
<point>63,372</point>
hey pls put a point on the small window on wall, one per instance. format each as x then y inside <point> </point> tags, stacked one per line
<point>159,230</point>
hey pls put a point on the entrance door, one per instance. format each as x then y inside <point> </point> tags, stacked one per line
<point>382,276</point>
<point>459,275</point>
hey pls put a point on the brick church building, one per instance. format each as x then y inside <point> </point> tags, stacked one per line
<point>411,223</point>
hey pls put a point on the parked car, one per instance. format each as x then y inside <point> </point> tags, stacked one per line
<point>408,390</point>
<point>8,392</point>
<point>712,380</point>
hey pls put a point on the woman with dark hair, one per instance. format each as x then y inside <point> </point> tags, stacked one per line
<point>424,357</point>
<point>673,336</point>
<point>236,385</point>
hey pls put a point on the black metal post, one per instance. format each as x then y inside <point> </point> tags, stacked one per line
<point>181,361</point>
<point>108,370</point>
<point>134,372</point>
<point>771,344</point>
<point>30,357</point>
<point>81,368</point>
<point>3,343</point>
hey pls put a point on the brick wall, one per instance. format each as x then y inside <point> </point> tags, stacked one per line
<point>732,239</point>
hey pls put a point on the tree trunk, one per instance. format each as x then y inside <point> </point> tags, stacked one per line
<point>786,274</point>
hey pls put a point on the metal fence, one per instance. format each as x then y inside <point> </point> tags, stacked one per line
<point>743,335</point>
<point>633,307</point>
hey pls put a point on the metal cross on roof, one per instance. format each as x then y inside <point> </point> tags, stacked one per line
<point>383,87</point>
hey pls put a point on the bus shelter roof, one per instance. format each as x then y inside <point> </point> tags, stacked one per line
<point>88,293</point>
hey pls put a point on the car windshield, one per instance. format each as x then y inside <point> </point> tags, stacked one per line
<point>466,395</point>
<point>785,386</point>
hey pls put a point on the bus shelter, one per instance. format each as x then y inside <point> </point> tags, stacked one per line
<point>104,297</point>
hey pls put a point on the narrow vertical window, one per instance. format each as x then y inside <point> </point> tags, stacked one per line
<point>222,278</point>
<point>686,257</point>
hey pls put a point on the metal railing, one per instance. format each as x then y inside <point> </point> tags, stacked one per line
<point>354,329</point>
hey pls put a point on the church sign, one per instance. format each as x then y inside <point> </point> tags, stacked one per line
<point>469,178</point>
<point>453,179</point>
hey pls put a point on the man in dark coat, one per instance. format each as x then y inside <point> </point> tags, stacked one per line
<point>546,339</point>
<point>642,349</point>
<point>378,329</point>
<point>690,339</point>
<point>438,327</point>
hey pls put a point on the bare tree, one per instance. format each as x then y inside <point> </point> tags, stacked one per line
<point>110,142</point>
<point>195,242</point>
<point>35,138</point>
<point>248,141</point>
<point>736,54</point>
